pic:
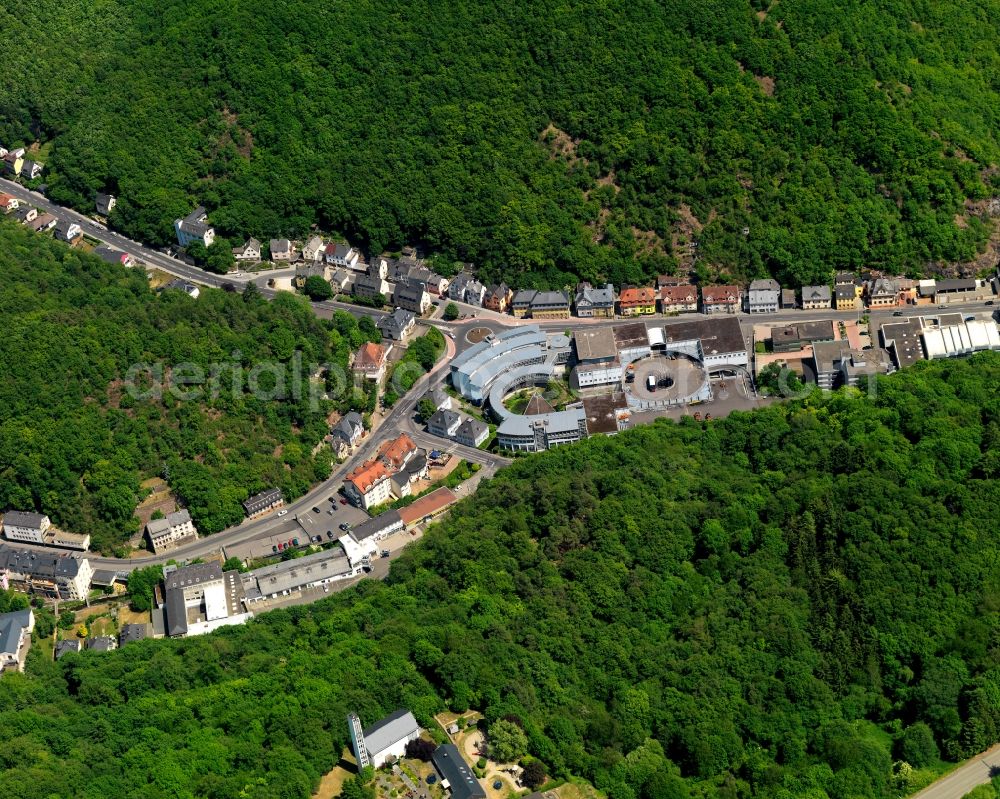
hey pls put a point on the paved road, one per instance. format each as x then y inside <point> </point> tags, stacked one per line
<point>400,417</point>
<point>958,783</point>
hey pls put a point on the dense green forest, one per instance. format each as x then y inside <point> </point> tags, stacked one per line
<point>783,604</point>
<point>543,140</point>
<point>75,442</point>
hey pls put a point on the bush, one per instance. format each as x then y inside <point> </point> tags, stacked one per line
<point>420,749</point>
<point>317,289</point>
<point>917,745</point>
<point>534,774</point>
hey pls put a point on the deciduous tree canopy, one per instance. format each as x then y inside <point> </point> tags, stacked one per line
<point>544,141</point>
<point>75,442</point>
<point>763,606</point>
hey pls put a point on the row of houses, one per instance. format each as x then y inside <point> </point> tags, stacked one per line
<point>64,230</point>
<point>16,164</point>
<point>128,634</point>
<point>673,295</point>
<point>48,574</point>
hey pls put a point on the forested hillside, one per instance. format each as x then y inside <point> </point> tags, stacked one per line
<point>779,605</point>
<point>545,141</point>
<point>75,442</point>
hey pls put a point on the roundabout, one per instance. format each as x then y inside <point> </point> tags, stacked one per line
<point>477,334</point>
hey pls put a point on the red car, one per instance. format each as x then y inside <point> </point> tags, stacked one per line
<point>343,502</point>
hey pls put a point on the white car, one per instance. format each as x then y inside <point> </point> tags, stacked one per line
<point>282,512</point>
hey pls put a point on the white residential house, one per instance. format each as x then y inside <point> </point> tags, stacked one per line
<point>397,325</point>
<point>194,227</point>
<point>15,631</point>
<point>342,255</point>
<point>412,296</point>
<point>67,231</point>
<point>764,296</point>
<point>31,169</point>
<point>248,251</point>
<point>169,532</point>
<point>444,423</point>
<point>25,526</point>
<point>369,485</point>
<point>313,249</point>
<point>472,433</point>
<point>105,203</point>
<point>281,250</point>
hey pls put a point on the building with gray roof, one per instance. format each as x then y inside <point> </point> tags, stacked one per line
<point>764,296</point>
<point>593,302</point>
<point>816,297</point>
<point>26,526</point>
<point>201,598</point>
<point>902,340</point>
<point>317,568</point>
<point>382,526</point>
<point>412,296</point>
<point>130,633</point>
<point>45,573</point>
<point>261,503</point>
<point>456,774</point>
<point>386,739</point>
<point>102,643</point>
<point>396,325</point>
<point>474,370</point>
<point>171,531</point>
<point>65,647</point>
<point>444,423</point>
<point>472,433</point>
<point>722,340</point>
<point>194,227</point>
<point>349,429</point>
<point>15,629</point>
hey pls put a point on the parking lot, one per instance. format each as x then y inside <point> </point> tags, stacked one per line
<point>326,524</point>
<point>303,527</point>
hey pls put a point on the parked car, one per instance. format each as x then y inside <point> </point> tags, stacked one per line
<point>295,542</point>
<point>343,526</point>
<point>385,553</point>
<point>991,302</point>
<point>332,500</point>
<point>343,501</point>
<point>275,549</point>
<point>316,510</point>
<point>330,512</point>
<point>281,547</point>
<point>329,534</point>
<point>282,512</point>
<point>897,313</point>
